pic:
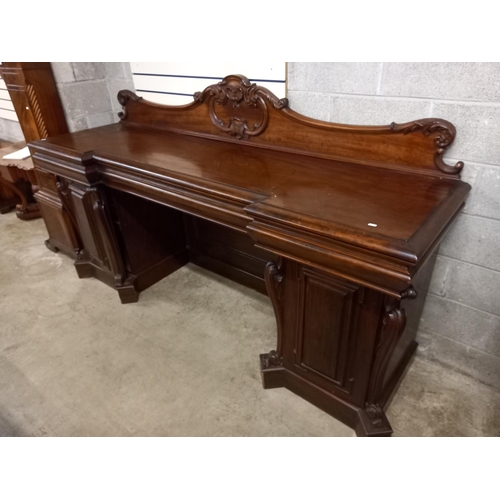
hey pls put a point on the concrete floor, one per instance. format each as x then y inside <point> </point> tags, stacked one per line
<point>181,362</point>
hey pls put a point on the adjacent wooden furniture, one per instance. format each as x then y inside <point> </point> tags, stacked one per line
<point>18,178</point>
<point>9,198</point>
<point>33,92</point>
<point>340,225</point>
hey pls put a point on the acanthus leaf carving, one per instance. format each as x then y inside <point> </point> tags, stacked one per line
<point>239,97</point>
<point>444,134</point>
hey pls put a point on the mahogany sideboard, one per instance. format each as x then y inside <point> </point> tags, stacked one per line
<point>338,224</point>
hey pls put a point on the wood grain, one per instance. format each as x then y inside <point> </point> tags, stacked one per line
<point>341,223</point>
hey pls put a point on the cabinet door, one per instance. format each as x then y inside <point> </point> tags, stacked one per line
<point>335,325</point>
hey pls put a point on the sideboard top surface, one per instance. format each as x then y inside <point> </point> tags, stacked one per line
<point>326,191</point>
<point>386,189</point>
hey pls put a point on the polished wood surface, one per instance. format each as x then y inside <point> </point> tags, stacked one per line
<point>340,223</point>
<point>33,92</point>
<point>18,177</point>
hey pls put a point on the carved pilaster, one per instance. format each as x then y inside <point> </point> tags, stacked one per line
<point>62,186</point>
<point>108,237</point>
<point>393,325</point>
<point>273,276</point>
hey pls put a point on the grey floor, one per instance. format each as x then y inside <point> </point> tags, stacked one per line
<point>183,361</point>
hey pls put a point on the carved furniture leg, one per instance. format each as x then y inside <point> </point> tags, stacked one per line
<point>8,200</point>
<point>23,206</point>
<point>335,343</point>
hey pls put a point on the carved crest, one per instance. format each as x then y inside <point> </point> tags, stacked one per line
<point>244,105</point>
<point>444,135</point>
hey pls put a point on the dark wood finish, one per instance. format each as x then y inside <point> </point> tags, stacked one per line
<point>18,178</point>
<point>227,252</point>
<point>10,195</point>
<point>348,218</point>
<point>33,92</point>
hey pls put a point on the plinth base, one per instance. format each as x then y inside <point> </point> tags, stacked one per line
<point>370,421</point>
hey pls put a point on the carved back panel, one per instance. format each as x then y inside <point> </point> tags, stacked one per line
<point>237,110</point>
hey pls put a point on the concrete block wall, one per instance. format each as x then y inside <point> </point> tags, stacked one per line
<point>460,326</point>
<point>88,91</point>
<point>10,130</point>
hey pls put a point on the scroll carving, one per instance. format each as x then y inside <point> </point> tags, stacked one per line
<point>409,293</point>
<point>240,99</point>
<point>274,284</point>
<point>123,97</point>
<point>393,325</point>
<point>444,134</point>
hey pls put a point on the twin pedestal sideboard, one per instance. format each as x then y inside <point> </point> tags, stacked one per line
<point>338,224</point>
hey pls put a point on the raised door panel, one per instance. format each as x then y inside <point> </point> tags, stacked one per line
<point>327,327</point>
<point>335,327</point>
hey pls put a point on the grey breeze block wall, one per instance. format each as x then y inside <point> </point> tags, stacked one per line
<point>460,326</point>
<point>88,91</point>
<point>10,130</point>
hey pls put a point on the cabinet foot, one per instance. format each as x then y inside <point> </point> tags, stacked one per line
<point>272,371</point>
<point>368,422</point>
<point>51,246</point>
<point>128,294</point>
<point>373,423</point>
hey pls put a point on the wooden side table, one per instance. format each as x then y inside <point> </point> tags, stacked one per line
<point>19,183</point>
